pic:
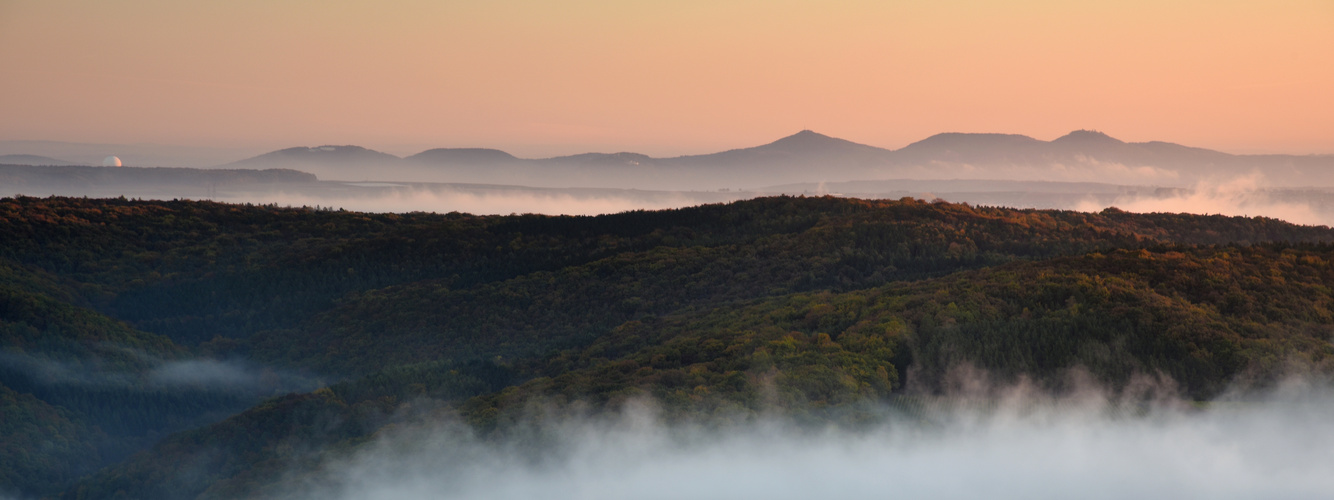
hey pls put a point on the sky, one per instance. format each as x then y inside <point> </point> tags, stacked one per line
<point>669,77</point>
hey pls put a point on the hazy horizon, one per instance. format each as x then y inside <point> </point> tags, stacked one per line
<point>191,156</point>
<point>664,78</point>
<point>1070,173</point>
<point>230,154</point>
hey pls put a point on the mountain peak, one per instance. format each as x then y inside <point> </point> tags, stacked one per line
<point>805,136</point>
<point>1088,137</point>
<point>963,138</point>
<point>33,160</point>
<point>809,133</point>
<point>479,156</point>
<point>326,150</point>
<point>809,141</point>
<point>320,154</point>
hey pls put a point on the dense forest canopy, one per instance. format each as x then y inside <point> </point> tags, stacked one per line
<point>182,349</point>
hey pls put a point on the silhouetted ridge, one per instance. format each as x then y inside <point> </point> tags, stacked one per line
<point>1087,137</point>
<point>809,141</point>
<point>54,176</point>
<point>1081,155</point>
<point>623,158</point>
<point>954,140</point>
<point>463,155</point>
<point>964,147</point>
<point>790,155</point>
<point>321,154</point>
<point>33,160</point>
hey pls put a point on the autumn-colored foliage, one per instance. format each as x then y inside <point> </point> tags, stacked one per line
<point>810,307</point>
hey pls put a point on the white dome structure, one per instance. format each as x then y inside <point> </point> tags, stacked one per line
<point>111,161</point>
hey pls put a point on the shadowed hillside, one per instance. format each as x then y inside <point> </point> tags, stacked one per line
<point>128,321</point>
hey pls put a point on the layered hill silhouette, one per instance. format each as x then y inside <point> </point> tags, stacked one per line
<point>45,180</point>
<point>322,156</point>
<point>808,156</point>
<point>464,156</point>
<point>32,160</point>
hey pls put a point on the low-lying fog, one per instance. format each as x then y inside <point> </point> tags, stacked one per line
<point>129,369</point>
<point>1016,445</point>
<point>1248,195</point>
<point>1245,196</point>
<point>486,200</point>
<point>1239,196</point>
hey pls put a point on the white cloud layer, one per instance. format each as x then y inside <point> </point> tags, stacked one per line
<point>1245,196</point>
<point>485,202</point>
<point>1084,447</point>
<point>151,373</point>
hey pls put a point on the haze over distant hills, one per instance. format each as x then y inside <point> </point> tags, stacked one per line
<point>45,179</point>
<point>135,155</point>
<point>1083,170</point>
<point>32,160</point>
<point>807,156</point>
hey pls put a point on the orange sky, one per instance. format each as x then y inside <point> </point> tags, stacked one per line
<point>664,77</point>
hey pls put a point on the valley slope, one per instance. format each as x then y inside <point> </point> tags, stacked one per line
<point>331,325</point>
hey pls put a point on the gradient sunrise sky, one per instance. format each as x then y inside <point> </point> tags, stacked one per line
<point>665,78</point>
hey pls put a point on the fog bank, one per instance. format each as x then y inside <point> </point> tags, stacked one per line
<point>1245,196</point>
<point>1021,447</point>
<point>1238,195</point>
<point>487,200</point>
<point>138,371</point>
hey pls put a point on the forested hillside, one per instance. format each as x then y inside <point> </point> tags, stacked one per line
<point>125,321</point>
<point>81,389</point>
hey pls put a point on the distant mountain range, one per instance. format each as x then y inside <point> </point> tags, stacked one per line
<point>807,156</point>
<point>804,157</point>
<point>46,179</point>
<point>33,160</point>
<point>13,152</point>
